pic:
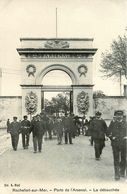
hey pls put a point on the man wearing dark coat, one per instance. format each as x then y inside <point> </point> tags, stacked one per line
<point>25,127</point>
<point>50,127</point>
<point>98,130</point>
<point>69,128</point>
<point>58,125</point>
<point>15,131</point>
<point>77,125</point>
<point>37,128</point>
<point>117,133</point>
<point>46,124</point>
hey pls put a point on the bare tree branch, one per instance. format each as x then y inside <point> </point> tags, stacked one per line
<point>114,61</point>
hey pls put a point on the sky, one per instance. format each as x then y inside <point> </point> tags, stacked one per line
<point>102,20</point>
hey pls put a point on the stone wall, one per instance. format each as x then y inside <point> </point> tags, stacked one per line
<point>108,104</point>
<point>9,106</point>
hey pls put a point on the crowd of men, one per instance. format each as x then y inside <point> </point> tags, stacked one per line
<point>70,126</point>
<point>41,125</point>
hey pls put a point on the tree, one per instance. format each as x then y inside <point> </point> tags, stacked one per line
<point>113,62</point>
<point>49,108</point>
<point>60,103</point>
<point>98,94</point>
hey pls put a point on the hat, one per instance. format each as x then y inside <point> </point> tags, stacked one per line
<point>14,117</point>
<point>98,113</point>
<point>118,113</point>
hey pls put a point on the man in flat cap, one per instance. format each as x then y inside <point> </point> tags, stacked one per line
<point>117,133</point>
<point>15,131</point>
<point>98,130</point>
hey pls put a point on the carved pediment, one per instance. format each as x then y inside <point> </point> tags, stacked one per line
<point>56,44</point>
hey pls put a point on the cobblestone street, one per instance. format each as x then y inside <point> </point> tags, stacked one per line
<point>57,164</point>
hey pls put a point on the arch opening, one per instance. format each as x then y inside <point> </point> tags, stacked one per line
<point>56,77</point>
<point>56,67</point>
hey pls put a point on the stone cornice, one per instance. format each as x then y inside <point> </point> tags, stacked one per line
<point>73,39</point>
<point>53,86</point>
<point>58,60</point>
<point>83,85</point>
<point>50,88</point>
<point>56,87</point>
<point>108,97</point>
<point>51,51</point>
<point>57,54</point>
<point>15,97</point>
<point>30,85</point>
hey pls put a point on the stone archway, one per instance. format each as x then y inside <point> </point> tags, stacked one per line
<point>73,56</point>
<point>64,79</point>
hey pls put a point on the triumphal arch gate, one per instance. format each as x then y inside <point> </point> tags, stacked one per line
<point>39,56</point>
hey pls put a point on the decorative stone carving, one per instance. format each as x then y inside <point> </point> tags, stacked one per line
<point>30,69</point>
<point>82,69</point>
<point>31,101</point>
<point>83,102</point>
<point>56,44</point>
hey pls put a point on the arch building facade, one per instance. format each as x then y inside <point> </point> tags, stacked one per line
<point>39,56</point>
